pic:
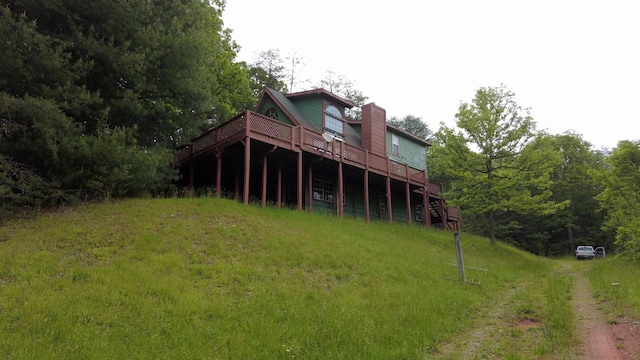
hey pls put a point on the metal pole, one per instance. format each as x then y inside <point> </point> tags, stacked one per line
<point>461,275</point>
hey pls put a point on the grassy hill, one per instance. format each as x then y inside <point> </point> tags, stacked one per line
<point>208,278</point>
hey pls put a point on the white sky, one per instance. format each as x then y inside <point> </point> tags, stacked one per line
<point>576,64</point>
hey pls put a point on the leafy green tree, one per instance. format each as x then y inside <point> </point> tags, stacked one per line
<point>69,165</point>
<point>21,189</point>
<point>268,70</point>
<point>413,125</point>
<point>161,68</point>
<point>577,223</point>
<point>621,196</point>
<point>95,96</point>
<point>497,167</point>
<point>581,220</point>
<point>41,66</point>
<point>233,91</point>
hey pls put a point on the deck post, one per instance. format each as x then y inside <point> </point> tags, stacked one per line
<point>300,180</point>
<point>426,212</point>
<point>247,170</point>
<point>310,188</point>
<point>279,190</point>
<point>264,181</point>
<point>218,172</point>
<point>367,215</point>
<point>408,196</point>
<point>340,189</point>
<point>389,210</point>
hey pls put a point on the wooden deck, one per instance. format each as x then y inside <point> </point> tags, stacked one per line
<point>297,138</point>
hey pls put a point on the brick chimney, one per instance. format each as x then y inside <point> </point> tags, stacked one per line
<point>374,129</point>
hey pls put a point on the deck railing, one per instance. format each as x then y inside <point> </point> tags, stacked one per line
<point>253,123</point>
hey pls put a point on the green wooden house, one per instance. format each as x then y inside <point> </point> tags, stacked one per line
<point>299,150</point>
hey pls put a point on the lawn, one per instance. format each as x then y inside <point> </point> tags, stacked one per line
<point>207,278</point>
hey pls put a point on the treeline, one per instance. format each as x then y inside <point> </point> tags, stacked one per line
<point>95,95</point>
<point>542,192</point>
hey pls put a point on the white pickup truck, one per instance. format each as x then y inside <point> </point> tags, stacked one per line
<point>585,252</point>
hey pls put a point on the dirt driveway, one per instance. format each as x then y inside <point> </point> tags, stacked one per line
<point>602,336</point>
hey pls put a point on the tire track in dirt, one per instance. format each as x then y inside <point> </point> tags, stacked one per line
<point>599,340</point>
<point>596,339</point>
<point>472,343</point>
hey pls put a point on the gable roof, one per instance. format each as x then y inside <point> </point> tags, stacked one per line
<point>324,92</point>
<point>292,112</point>
<point>351,136</point>
<point>408,134</point>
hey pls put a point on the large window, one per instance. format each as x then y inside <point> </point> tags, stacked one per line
<point>395,145</point>
<point>333,120</point>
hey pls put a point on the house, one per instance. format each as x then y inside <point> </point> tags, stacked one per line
<point>299,150</point>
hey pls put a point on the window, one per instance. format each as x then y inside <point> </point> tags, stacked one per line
<point>272,113</point>
<point>333,120</point>
<point>318,189</point>
<point>395,145</point>
<point>418,212</point>
<point>323,190</point>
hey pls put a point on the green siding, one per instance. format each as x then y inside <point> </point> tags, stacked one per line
<point>411,152</point>
<point>354,204</point>
<point>267,104</point>
<point>311,107</point>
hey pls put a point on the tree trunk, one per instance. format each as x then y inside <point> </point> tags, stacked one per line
<point>492,227</point>
<point>570,235</point>
<point>492,220</point>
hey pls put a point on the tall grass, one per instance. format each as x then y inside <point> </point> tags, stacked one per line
<point>560,327</point>
<point>616,283</point>
<point>215,279</point>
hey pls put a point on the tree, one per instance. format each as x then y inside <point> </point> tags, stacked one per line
<point>50,161</point>
<point>233,93</point>
<point>413,125</point>
<point>497,167</point>
<point>268,70</point>
<point>621,196</point>
<point>293,72</point>
<point>38,65</point>
<point>95,96</point>
<point>159,67</point>
<point>573,180</point>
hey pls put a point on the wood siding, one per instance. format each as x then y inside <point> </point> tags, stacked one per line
<point>411,153</point>
<point>268,104</point>
<point>311,108</point>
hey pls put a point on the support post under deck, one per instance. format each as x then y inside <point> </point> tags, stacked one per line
<point>389,210</point>
<point>408,196</point>
<point>299,180</point>
<point>367,214</point>
<point>264,181</point>
<point>247,170</point>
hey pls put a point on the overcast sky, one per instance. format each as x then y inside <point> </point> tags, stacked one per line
<point>576,64</point>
